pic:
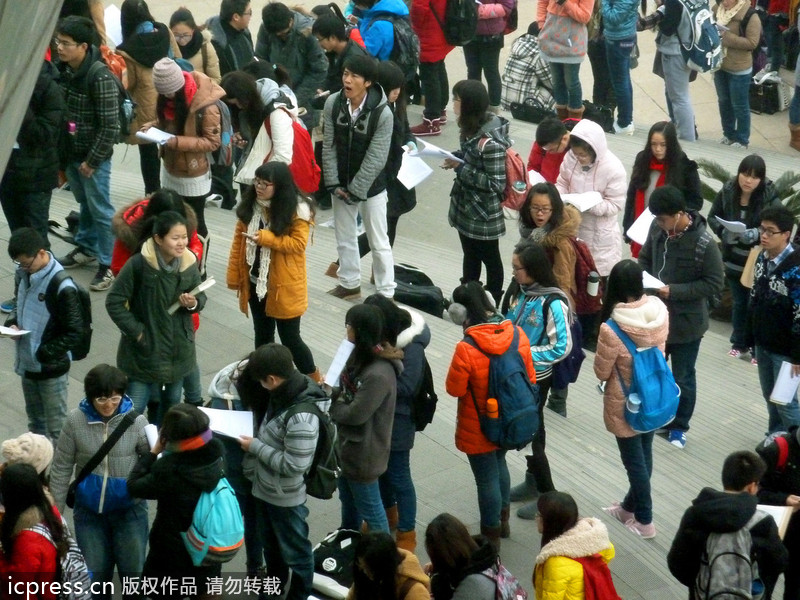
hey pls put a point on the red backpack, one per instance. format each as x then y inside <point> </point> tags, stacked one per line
<point>304,168</point>
<point>584,264</point>
<point>517,182</point>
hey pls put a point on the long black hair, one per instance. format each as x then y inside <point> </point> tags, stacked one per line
<point>181,109</point>
<point>241,86</point>
<point>556,203</point>
<point>640,176</point>
<point>395,319</point>
<point>378,551</point>
<point>624,283</point>
<point>283,204</point>
<point>752,165</point>
<point>132,14</point>
<point>559,514</point>
<point>160,202</point>
<point>534,260</point>
<point>366,321</point>
<point>390,77</point>
<point>473,297</point>
<point>474,104</point>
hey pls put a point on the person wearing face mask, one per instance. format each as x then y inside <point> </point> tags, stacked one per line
<point>681,252</point>
<point>267,262</point>
<point>741,199</point>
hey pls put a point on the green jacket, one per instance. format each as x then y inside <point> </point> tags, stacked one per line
<point>138,303</point>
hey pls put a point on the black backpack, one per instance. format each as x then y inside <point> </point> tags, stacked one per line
<point>460,21</point>
<point>405,50</point>
<point>322,478</point>
<point>81,348</point>
<point>424,403</point>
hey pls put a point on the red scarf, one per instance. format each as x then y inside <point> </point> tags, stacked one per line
<point>597,582</point>
<point>189,90</point>
<point>638,207</point>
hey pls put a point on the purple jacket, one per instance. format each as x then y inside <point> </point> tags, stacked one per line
<point>492,17</point>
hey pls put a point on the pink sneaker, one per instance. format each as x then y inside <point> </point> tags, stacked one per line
<point>645,531</point>
<point>619,513</point>
<point>734,353</point>
<point>754,362</point>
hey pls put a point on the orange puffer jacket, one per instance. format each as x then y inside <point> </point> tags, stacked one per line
<point>469,373</point>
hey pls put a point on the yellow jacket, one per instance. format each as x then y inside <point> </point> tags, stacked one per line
<point>556,576</point>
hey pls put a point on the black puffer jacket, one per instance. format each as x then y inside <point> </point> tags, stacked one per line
<point>722,512</point>
<point>33,167</point>
<point>176,481</point>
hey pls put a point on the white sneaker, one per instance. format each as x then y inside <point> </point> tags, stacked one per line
<point>738,145</point>
<point>627,130</point>
<point>214,200</point>
<point>724,141</point>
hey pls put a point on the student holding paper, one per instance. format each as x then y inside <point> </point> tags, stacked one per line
<point>662,161</point>
<point>773,324</point>
<point>157,350</point>
<point>741,200</point>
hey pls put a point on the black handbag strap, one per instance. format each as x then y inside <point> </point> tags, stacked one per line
<point>90,466</point>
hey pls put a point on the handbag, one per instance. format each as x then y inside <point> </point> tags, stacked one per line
<point>256,156</point>
<point>90,466</point>
<point>563,37</point>
<point>748,273</point>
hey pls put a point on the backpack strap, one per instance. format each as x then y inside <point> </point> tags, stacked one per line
<point>700,251</point>
<point>51,293</point>
<point>304,406</point>
<point>629,345</point>
<point>783,453</point>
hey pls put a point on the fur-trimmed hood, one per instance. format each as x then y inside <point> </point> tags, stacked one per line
<point>123,220</point>
<point>418,328</point>
<point>589,536</point>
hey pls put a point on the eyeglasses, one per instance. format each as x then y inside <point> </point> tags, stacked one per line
<point>515,269</point>
<point>179,37</point>
<point>23,265</point>
<point>106,400</point>
<point>768,232</point>
<point>541,210</point>
<point>260,183</point>
<point>57,42</point>
<point>249,13</point>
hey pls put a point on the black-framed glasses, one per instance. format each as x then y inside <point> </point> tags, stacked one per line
<point>768,232</point>
<point>541,210</point>
<point>24,265</point>
<point>260,183</point>
<point>179,37</point>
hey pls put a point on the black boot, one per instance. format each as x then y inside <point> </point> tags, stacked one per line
<point>526,490</point>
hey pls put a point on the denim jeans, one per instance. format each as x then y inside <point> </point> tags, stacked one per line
<point>733,98</point>
<point>397,487</point>
<point>116,539</point>
<point>683,358</point>
<point>602,90</point>
<point>494,484</point>
<point>794,107</point>
<point>164,395</point>
<point>362,502</point>
<point>284,534</point>
<point>483,56</point>
<point>253,542</point>
<point>637,456</point>
<point>676,89</point>
<point>46,405</point>
<point>567,84</point>
<point>25,209</point>
<point>740,296</point>
<point>93,194</point>
<point>781,416</point>
<point>773,34</point>
<point>618,55</point>
<point>435,86</point>
<point>192,388</point>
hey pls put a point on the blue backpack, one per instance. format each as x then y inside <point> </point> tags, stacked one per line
<point>217,529</point>
<point>652,398</point>
<point>699,39</point>
<point>517,418</point>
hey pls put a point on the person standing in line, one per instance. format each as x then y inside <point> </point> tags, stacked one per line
<point>645,320</point>
<point>195,45</point>
<point>681,252</point>
<point>619,30</point>
<point>355,151</point>
<point>42,355</point>
<point>91,97</point>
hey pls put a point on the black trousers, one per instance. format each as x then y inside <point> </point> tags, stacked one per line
<point>478,253</point>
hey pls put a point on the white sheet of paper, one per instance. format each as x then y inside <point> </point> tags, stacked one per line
<point>651,283</point>
<point>151,433</point>
<point>785,386</point>
<point>535,177</point>
<point>428,149</point>
<point>113,20</point>
<point>583,201</point>
<point>200,288</point>
<point>781,515</point>
<point>734,226</point>
<point>12,333</point>
<point>153,134</point>
<point>413,171</point>
<point>641,227</point>
<point>230,423</point>
<point>343,352</point>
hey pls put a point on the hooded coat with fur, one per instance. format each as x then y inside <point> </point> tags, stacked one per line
<point>556,576</point>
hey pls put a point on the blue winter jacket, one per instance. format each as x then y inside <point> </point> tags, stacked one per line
<point>379,36</point>
<point>619,19</point>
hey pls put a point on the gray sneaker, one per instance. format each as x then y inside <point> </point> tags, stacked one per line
<point>103,280</point>
<point>76,258</point>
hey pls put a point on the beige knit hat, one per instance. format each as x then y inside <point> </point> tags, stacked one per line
<point>29,448</point>
<point>167,76</point>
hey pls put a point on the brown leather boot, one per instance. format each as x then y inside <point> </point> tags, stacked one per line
<point>391,516</point>
<point>562,112</point>
<point>794,142</point>
<point>407,540</point>
<point>505,529</point>
<point>493,535</point>
<point>576,113</point>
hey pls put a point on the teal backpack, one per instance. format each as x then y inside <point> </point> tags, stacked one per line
<point>217,529</point>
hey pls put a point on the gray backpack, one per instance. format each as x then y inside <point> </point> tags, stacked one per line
<point>728,570</point>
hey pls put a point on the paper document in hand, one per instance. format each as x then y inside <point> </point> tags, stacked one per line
<point>154,135</point>
<point>343,352</point>
<point>583,201</point>
<point>230,423</point>
<point>734,226</point>
<point>428,149</point>
<point>11,332</point>
<point>785,386</point>
<point>151,433</point>
<point>781,514</point>
<point>112,16</point>
<point>641,227</point>
<point>535,177</point>
<point>200,288</point>
<point>413,171</point>
<point>651,283</point>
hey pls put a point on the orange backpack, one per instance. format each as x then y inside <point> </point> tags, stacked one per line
<point>116,64</point>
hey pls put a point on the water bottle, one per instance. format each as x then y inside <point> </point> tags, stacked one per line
<point>633,403</point>
<point>593,283</point>
<point>490,424</point>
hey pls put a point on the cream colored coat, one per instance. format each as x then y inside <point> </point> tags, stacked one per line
<point>206,60</point>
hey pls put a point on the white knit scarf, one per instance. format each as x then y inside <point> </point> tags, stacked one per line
<point>724,15</point>
<point>260,215</point>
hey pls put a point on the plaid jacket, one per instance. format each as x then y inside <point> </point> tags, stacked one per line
<point>475,209</point>
<point>527,74</point>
